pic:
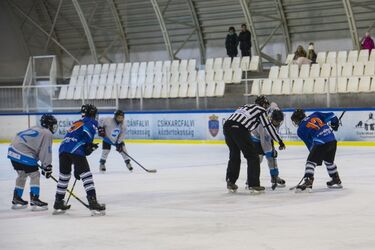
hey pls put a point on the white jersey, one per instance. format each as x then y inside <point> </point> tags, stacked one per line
<point>114,132</point>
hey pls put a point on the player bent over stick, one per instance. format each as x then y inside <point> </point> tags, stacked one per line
<point>77,144</point>
<point>321,142</point>
<point>26,149</point>
<point>265,145</point>
<point>112,129</point>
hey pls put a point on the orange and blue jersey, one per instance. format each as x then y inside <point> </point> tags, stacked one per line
<point>313,129</point>
<point>80,133</point>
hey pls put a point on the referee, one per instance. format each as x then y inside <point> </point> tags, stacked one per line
<point>236,132</point>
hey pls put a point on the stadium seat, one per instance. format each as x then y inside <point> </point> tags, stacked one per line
<point>150,68</point>
<point>364,84</point>
<point>320,85</point>
<point>201,83</point>
<point>332,85</point>
<point>358,69</point>
<point>148,89</point>
<point>92,91</point>
<point>78,92</point>
<point>305,71</point>
<point>220,88</point>
<point>370,68</point>
<point>266,87</point>
<point>321,58</point>
<point>228,75</point>
<point>289,59</point>
<point>237,76</point>
<point>158,67</point>
<point>115,92</point>
<point>219,75</point>
<point>63,92</point>
<point>336,70</point>
<point>70,92</point>
<point>256,87</point>
<point>236,63</point>
<point>277,86</point>
<point>192,82</point>
<point>254,63</point>
<point>142,69</point>
<point>108,91</point>
<point>353,56</point>
<point>192,65</point>
<point>284,72</point>
<point>372,57</point>
<point>294,71</point>
<point>209,64</point>
<point>127,68</point>
<point>124,91</point>
<point>118,74</point>
<point>75,71</point>
<point>372,86</point>
<point>245,63</point>
<point>315,71</point>
<point>104,74</point>
<point>218,63</point>
<point>286,87</point>
<point>100,92</point>
<point>227,63</point>
<point>347,70</point>
<point>274,72</point>
<point>183,66</point>
<point>331,57</point>
<point>183,82</point>
<point>167,67</point>
<point>326,70</point>
<point>111,74</point>
<point>308,86</point>
<point>342,57</point>
<point>175,66</point>
<point>342,84</point>
<point>353,84</point>
<point>363,56</point>
<point>297,87</point>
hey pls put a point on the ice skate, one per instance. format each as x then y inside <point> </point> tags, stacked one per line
<point>95,207</point>
<point>335,182</point>
<point>18,202</point>
<point>276,180</point>
<point>60,207</point>
<point>36,204</point>
<point>102,167</point>
<point>232,187</point>
<point>306,186</point>
<point>256,190</point>
<point>129,165</point>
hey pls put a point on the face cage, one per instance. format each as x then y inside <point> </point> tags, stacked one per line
<point>295,124</point>
<point>54,128</point>
<point>276,123</point>
<point>122,118</point>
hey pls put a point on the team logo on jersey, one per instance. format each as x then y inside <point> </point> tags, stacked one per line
<point>115,133</point>
<point>213,125</point>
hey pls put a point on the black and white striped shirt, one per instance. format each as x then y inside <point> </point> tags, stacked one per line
<point>251,115</point>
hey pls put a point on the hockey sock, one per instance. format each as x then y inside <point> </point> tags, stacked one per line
<point>331,168</point>
<point>34,183</point>
<point>310,169</point>
<point>104,156</point>
<point>62,185</point>
<point>102,161</point>
<point>88,183</point>
<point>20,182</point>
<point>274,171</point>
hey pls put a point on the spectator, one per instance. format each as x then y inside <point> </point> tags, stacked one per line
<point>245,41</point>
<point>311,55</point>
<point>367,42</point>
<point>231,43</point>
<point>300,56</point>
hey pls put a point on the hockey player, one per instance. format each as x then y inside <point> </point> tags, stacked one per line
<point>112,129</point>
<point>27,148</point>
<point>77,144</point>
<point>265,145</point>
<point>236,132</point>
<point>321,142</point>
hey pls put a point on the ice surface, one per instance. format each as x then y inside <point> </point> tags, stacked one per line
<point>185,205</point>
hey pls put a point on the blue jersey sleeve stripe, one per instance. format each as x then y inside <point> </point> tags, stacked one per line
<point>87,131</point>
<point>77,146</point>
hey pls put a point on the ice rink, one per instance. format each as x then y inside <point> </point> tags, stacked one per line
<point>185,205</point>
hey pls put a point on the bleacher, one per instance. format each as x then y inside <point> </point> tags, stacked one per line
<point>160,79</point>
<point>343,72</point>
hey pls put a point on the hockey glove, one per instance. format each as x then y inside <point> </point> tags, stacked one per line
<point>120,147</point>
<point>281,145</point>
<point>47,171</point>
<point>335,124</point>
<point>90,147</point>
<point>274,153</point>
<point>101,131</point>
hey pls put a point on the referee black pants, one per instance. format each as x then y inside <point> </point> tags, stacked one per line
<point>238,140</point>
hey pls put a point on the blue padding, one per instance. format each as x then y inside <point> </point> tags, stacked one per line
<point>269,154</point>
<point>35,190</point>
<point>19,191</point>
<point>274,172</point>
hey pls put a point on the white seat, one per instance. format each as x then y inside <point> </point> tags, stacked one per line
<point>192,82</point>
<point>125,78</point>
<point>331,57</point>
<point>332,85</point>
<point>228,75</point>
<point>358,69</point>
<point>108,92</point>
<point>276,87</point>
<point>150,68</point>
<point>254,63</point>
<point>158,67</point>
<point>142,69</point>
<point>342,84</point>
<point>364,84</point>
<point>342,57</point>
<point>284,72</point>
<point>337,70</point>
<point>104,74</point>
<point>353,56</point>
<point>70,92</point>
<point>372,86</point>
<point>305,71</point>
<point>78,92</point>
<point>370,68</point>
<point>118,74</point>
<point>124,91</point>
<point>192,65</point>
<point>92,92</point>
<point>174,90</point>
<point>274,72</point>
<point>220,88</point>
<point>256,87</point>
<point>210,76</point>
<point>266,87</point>
<point>115,92</point>
<point>289,59</point>
<point>219,75</point>
<point>363,56</point>
<point>183,65</point>
<point>165,85</point>
<point>321,58</point>
<point>111,74</point>
<point>211,88</point>
<point>245,63</point>
<point>127,68</point>
<point>201,83</point>
<point>294,71</point>
<point>315,71</point>
<point>320,86</point>
<point>80,80</point>
<point>218,63</point>
<point>167,67</point>
<point>183,82</point>
<point>287,87</point>
<point>63,91</point>
<point>353,84</point>
<point>227,63</point>
<point>175,66</point>
<point>209,64</point>
<point>297,87</point>
<point>149,79</point>
<point>75,71</point>
<point>82,70</point>
<point>140,85</point>
<point>326,70</point>
<point>308,86</point>
<point>347,70</point>
<point>100,92</point>
<point>148,89</point>
<point>237,76</point>
<point>236,63</point>
<point>372,57</point>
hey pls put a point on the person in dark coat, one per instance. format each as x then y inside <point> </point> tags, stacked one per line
<point>245,41</point>
<point>231,43</point>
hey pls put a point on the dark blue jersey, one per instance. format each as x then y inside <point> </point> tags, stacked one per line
<point>79,134</point>
<point>313,130</point>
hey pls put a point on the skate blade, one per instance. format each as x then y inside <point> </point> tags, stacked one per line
<point>97,213</point>
<point>336,186</point>
<point>58,211</point>
<point>256,192</point>
<point>307,190</point>
<point>37,208</point>
<point>18,206</point>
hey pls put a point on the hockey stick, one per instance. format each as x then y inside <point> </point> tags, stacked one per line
<point>342,114</point>
<point>292,188</point>
<point>145,169</point>
<point>70,194</point>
